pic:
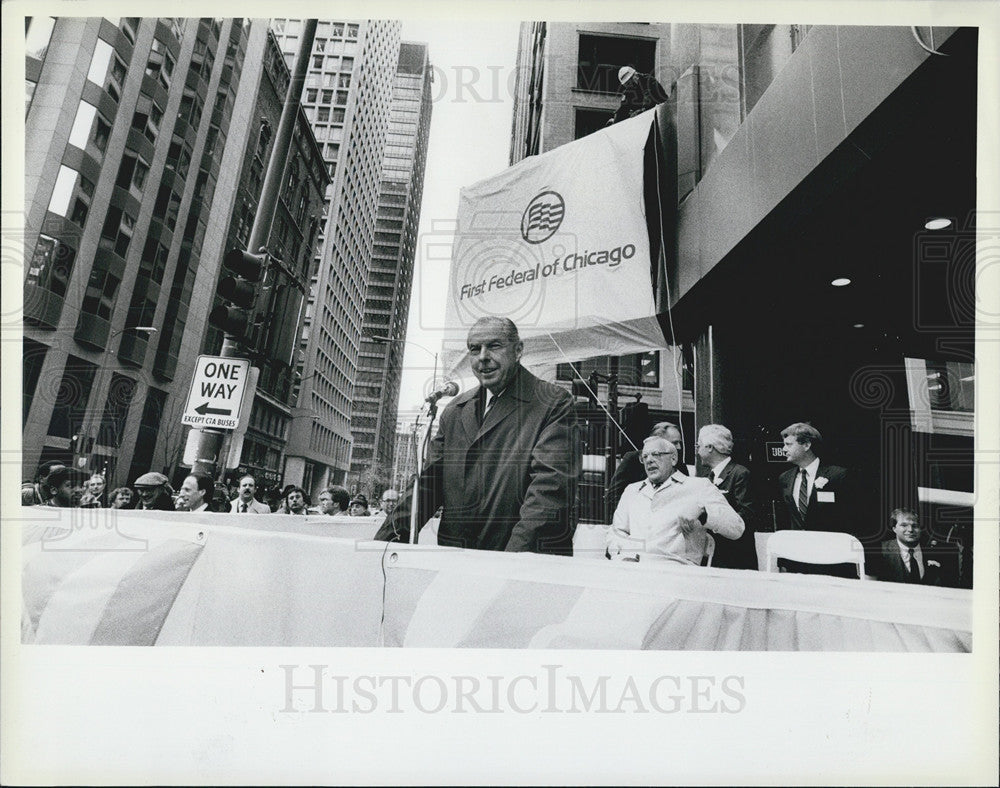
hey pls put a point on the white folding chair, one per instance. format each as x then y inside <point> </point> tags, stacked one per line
<point>815,547</point>
<point>709,550</point>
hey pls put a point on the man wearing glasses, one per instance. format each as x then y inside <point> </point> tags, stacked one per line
<point>505,461</point>
<point>667,516</point>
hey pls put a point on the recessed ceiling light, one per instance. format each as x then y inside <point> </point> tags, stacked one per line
<point>842,281</point>
<point>937,224</point>
<point>859,325</point>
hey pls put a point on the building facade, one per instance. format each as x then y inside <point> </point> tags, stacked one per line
<point>566,86</point>
<point>346,97</point>
<point>390,277</point>
<point>822,272</point>
<point>136,131</point>
<point>271,341</point>
<point>404,463</point>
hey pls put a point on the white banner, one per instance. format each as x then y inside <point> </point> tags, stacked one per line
<point>558,243</point>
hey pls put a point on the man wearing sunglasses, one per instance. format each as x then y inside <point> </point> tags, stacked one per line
<point>668,515</point>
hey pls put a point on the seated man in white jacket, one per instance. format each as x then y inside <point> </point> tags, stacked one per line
<point>666,517</point>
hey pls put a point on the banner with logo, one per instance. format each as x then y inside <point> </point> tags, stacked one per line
<point>559,244</point>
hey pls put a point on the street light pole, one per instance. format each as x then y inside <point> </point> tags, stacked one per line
<point>385,340</point>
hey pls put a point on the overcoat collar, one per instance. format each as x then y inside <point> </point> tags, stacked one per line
<point>520,389</point>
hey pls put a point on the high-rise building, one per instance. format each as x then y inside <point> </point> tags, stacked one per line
<point>390,277</point>
<point>137,140</point>
<point>272,339</point>
<point>404,463</point>
<point>347,96</point>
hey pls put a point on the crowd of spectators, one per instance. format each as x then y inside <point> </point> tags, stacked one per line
<point>663,509</point>
<point>56,484</point>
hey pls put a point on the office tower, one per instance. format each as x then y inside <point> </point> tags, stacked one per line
<point>347,96</point>
<point>387,303</point>
<point>136,132</point>
<point>271,339</point>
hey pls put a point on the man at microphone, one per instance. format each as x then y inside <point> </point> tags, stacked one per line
<point>505,460</point>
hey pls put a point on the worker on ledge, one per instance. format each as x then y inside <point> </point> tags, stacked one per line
<point>641,92</point>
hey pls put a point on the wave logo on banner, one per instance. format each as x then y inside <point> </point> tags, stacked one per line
<point>542,217</point>
<point>559,243</point>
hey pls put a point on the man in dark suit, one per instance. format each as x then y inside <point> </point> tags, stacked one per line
<point>817,496</point>
<point>505,460</point>
<point>714,449</point>
<point>910,559</point>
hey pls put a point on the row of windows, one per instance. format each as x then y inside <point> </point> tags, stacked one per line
<point>116,234</point>
<point>333,133</point>
<point>71,196</point>
<point>160,64</point>
<point>334,67</point>
<point>107,69</point>
<point>90,130</point>
<point>325,114</point>
<point>293,27</point>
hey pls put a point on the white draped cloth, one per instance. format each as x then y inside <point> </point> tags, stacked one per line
<point>170,578</point>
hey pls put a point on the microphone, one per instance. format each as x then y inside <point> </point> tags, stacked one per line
<point>449,389</point>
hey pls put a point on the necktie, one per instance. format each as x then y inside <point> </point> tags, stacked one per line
<point>914,568</point>
<point>803,492</point>
<point>244,508</point>
<point>711,476</point>
<point>488,404</point>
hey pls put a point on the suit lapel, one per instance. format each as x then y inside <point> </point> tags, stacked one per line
<point>789,484</point>
<point>820,472</point>
<point>469,419</point>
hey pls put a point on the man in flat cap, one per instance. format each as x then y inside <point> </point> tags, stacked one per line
<point>154,492</point>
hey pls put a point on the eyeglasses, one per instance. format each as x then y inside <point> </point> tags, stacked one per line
<point>656,454</point>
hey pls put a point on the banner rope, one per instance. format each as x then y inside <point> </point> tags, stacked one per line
<point>592,392</point>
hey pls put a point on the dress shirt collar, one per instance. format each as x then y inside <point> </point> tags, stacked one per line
<point>812,469</point>
<point>675,478</point>
<point>717,470</point>
<point>905,552</point>
<point>490,396</point>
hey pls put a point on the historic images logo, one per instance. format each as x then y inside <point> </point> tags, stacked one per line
<point>542,217</point>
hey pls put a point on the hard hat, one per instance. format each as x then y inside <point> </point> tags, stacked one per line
<point>625,73</point>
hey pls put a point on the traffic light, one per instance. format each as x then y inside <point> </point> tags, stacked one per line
<point>239,289</point>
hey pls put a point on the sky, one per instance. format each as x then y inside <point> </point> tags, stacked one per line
<point>473,64</point>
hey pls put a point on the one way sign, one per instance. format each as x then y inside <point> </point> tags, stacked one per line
<point>217,390</point>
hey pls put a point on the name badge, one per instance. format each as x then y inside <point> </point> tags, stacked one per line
<point>825,497</point>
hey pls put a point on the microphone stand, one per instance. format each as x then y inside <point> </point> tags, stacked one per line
<point>421,460</point>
